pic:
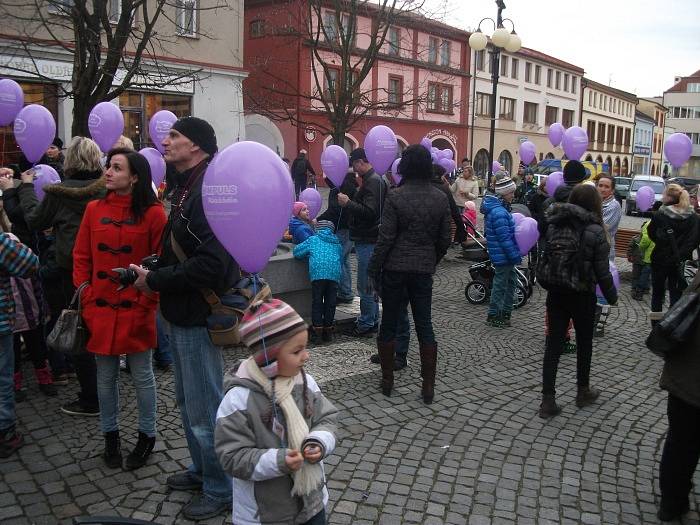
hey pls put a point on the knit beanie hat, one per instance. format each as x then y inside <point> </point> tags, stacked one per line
<point>298,206</point>
<point>265,327</point>
<point>325,224</point>
<point>504,186</point>
<point>574,172</point>
<point>198,131</point>
<point>57,142</point>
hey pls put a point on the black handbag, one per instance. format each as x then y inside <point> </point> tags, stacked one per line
<point>70,335</point>
<point>675,327</point>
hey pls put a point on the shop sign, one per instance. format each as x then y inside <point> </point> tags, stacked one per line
<point>436,132</point>
<point>57,71</point>
<point>642,150</point>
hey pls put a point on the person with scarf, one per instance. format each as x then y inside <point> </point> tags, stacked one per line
<point>274,426</point>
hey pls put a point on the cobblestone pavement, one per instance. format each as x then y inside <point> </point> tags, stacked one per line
<point>478,455</point>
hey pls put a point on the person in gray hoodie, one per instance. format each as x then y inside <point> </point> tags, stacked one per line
<point>274,426</point>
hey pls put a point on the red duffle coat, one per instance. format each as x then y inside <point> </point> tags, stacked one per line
<point>120,322</point>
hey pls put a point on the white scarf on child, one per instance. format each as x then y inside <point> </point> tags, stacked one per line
<point>310,475</point>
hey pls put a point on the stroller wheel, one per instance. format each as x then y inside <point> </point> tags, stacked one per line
<point>521,297</point>
<point>476,292</point>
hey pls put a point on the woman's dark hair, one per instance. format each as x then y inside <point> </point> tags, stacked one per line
<point>587,197</point>
<point>142,195</point>
<point>416,163</point>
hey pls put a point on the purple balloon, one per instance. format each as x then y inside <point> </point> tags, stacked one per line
<point>381,148</point>
<point>615,277</point>
<point>395,172</point>
<point>43,176</point>
<point>159,127</point>
<point>555,134</point>
<point>448,164</point>
<point>526,234</point>
<point>334,162</point>
<point>312,198</point>
<point>448,154</point>
<point>11,101</point>
<point>426,143</point>
<point>518,217</point>
<point>157,164</point>
<point>35,129</point>
<point>106,124</point>
<point>645,198</point>
<point>527,152</point>
<point>575,142</point>
<point>678,149</point>
<point>554,180</point>
<point>247,195</point>
<point>496,166</point>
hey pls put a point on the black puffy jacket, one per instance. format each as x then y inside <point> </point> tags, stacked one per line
<point>686,234</point>
<point>595,267</point>
<point>334,212</point>
<point>365,208</point>
<point>415,230</point>
<point>208,264</point>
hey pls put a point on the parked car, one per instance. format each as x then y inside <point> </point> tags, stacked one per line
<point>688,183</point>
<point>549,166</point>
<point>655,183</point>
<point>622,187</point>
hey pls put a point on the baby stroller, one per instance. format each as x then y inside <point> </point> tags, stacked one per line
<point>482,272</point>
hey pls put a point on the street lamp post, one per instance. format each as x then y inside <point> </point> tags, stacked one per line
<point>500,39</point>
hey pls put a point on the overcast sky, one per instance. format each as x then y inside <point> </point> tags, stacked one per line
<point>635,45</point>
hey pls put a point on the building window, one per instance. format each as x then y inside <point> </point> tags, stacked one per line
<point>601,133</point>
<point>432,50</point>
<point>574,81</point>
<point>551,114</point>
<point>528,72</point>
<point>330,26</point>
<point>590,130</point>
<point>595,100</point>
<point>330,83</point>
<point>558,81</point>
<point>61,7</point>
<point>483,105</point>
<point>611,134</point>
<point>566,82</point>
<point>439,98</point>
<point>693,87</point>
<point>257,28</point>
<point>479,58</point>
<point>590,98</point>
<point>394,41</point>
<point>549,78</point>
<point>395,92</point>
<point>567,118</point>
<point>504,66</point>
<point>138,108</point>
<point>507,109</point>
<point>620,132</point>
<point>506,160</point>
<point>445,53</point>
<point>115,10</point>
<point>538,70</point>
<point>514,64</point>
<point>530,113</point>
<point>187,17</point>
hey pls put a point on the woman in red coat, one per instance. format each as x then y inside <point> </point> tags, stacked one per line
<point>118,230</point>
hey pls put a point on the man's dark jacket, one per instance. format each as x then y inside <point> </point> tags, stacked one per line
<point>208,264</point>
<point>365,209</point>
<point>334,213</point>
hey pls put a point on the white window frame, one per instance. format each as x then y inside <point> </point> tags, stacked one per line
<point>182,7</point>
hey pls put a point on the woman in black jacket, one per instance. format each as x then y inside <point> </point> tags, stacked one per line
<point>674,229</point>
<point>573,298</point>
<point>414,235</point>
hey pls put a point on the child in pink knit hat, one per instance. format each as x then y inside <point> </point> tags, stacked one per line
<point>300,225</point>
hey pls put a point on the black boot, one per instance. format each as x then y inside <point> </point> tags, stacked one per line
<point>137,458</point>
<point>328,335</point>
<point>428,364</point>
<point>113,450</point>
<point>386,359</point>
<point>549,407</point>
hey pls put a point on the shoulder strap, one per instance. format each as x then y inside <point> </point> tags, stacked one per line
<point>208,294</point>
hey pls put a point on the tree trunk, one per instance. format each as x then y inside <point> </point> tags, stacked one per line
<point>81,112</point>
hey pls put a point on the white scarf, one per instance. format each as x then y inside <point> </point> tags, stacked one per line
<point>310,475</point>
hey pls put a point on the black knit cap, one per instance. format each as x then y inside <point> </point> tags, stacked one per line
<point>57,142</point>
<point>198,131</point>
<point>574,172</point>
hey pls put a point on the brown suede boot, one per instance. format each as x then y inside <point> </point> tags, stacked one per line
<point>428,363</point>
<point>586,396</point>
<point>386,359</point>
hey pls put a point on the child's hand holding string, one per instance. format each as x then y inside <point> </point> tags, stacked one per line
<point>294,460</point>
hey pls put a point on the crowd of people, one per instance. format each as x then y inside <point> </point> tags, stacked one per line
<point>257,434</point>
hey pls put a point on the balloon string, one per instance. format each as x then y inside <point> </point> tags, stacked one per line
<point>255,277</point>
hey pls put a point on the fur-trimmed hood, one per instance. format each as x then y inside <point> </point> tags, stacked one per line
<point>75,194</point>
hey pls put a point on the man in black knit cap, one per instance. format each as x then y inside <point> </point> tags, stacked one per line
<point>207,265</point>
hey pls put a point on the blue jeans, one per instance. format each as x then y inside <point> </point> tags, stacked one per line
<point>345,286</point>
<point>162,354</point>
<point>641,275</point>
<point>144,385</point>
<point>7,386</point>
<point>397,287</point>
<point>369,305</point>
<point>198,392</point>
<point>502,290</point>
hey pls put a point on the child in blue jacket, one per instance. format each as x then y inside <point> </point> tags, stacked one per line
<point>300,225</point>
<point>325,252</point>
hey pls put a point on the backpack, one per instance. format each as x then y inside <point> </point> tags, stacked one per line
<point>560,265</point>
<point>634,253</point>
